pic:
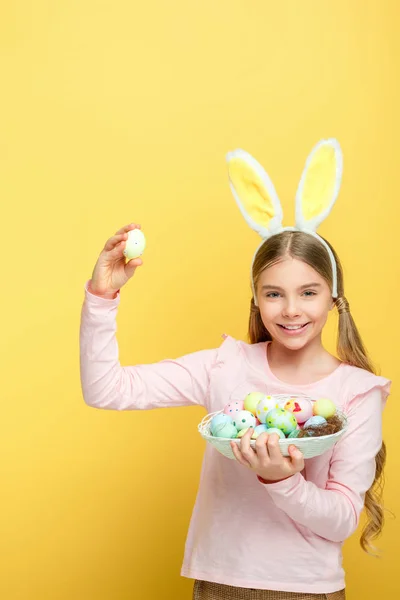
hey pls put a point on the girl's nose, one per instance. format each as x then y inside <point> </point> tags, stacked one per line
<point>291,309</point>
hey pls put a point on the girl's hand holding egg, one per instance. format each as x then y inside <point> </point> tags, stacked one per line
<point>111,271</point>
<point>266,460</point>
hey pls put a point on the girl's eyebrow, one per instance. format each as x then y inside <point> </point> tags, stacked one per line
<point>303,287</point>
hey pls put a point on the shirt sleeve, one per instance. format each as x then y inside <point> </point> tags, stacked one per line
<point>333,513</point>
<point>106,384</point>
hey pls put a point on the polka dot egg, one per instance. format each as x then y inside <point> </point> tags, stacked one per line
<point>244,419</point>
<point>233,408</point>
<point>281,419</point>
<point>264,406</point>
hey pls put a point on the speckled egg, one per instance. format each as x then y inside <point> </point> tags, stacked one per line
<point>302,408</point>
<point>243,419</point>
<point>233,408</point>
<point>251,401</point>
<point>314,421</point>
<point>135,244</point>
<point>281,419</point>
<point>264,406</point>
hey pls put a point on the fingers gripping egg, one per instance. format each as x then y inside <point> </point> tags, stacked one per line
<point>242,432</point>
<point>264,406</point>
<point>135,244</point>
<point>281,419</point>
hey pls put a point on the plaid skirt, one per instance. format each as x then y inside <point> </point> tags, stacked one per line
<point>206,590</point>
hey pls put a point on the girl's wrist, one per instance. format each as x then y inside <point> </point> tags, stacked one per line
<point>269,481</point>
<point>106,296</point>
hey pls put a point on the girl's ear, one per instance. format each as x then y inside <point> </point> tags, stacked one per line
<point>319,185</point>
<point>254,193</point>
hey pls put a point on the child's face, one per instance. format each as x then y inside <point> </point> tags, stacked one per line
<point>292,294</point>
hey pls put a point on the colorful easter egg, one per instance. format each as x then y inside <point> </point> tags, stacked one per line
<point>314,421</point>
<point>260,429</point>
<point>324,408</point>
<point>233,408</point>
<point>226,431</point>
<point>218,422</point>
<point>281,419</point>
<point>294,433</point>
<point>243,419</point>
<point>243,431</point>
<point>277,431</point>
<point>302,408</point>
<point>264,406</point>
<point>251,401</point>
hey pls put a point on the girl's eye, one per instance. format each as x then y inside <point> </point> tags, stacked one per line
<point>272,294</point>
<point>310,293</point>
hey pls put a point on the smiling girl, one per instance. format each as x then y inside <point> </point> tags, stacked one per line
<point>263,526</point>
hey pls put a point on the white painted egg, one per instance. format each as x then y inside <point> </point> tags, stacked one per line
<point>243,419</point>
<point>264,406</point>
<point>135,244</point>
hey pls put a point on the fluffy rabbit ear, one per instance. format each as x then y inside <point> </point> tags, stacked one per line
<point>319,185</point>
<point>254,193</point>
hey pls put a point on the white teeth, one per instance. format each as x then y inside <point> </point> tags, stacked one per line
<point>290,327</point>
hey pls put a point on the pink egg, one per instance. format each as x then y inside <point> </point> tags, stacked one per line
<point>302,408</point>
<point>233,408</point>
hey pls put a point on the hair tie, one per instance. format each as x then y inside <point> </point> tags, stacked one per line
<point>342,305</point>
<point>259,204</point>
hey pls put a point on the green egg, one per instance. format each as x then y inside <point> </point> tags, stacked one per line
<point>294,433</point>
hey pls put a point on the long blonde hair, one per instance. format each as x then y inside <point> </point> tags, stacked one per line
<point>350,348</point>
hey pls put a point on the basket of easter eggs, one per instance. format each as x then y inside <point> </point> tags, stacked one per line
<point>312,425</point>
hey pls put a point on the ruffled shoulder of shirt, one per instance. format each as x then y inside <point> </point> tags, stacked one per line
<point>232,348</point>
<point>357,382</point>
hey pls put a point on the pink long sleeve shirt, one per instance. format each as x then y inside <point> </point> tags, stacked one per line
<point>282,536</point>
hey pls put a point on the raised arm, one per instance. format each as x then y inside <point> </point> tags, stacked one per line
<point>106,384</point>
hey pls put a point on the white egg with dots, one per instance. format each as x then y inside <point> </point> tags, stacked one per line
<point>135,244</point>
<point>244,419</point>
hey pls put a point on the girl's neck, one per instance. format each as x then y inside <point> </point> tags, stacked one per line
<point>301,366</point>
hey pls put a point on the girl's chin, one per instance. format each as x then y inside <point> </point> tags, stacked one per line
<point>297,340</point>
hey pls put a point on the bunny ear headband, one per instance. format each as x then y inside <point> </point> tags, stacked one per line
<point>317,192</point>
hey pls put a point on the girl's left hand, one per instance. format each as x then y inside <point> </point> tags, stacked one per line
<point>267,460</point>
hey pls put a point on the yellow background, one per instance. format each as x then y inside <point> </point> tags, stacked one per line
<point>119,111</point>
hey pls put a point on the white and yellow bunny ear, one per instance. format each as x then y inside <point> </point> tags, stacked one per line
<point>254,193</point>
<point>319,185</point>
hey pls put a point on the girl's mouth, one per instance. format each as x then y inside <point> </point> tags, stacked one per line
<point>294,330</point>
